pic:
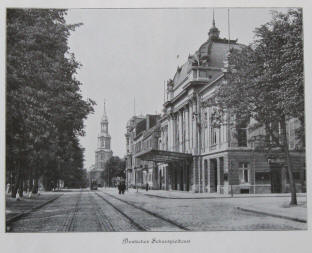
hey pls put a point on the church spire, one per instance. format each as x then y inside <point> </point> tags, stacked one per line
<point>104,117</point>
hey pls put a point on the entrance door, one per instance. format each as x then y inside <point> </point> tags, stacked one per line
<point>160,180</point>
<point>276,179</point>
<point>213,175</point>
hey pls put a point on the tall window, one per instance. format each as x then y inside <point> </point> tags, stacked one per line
<point>244,176</point>
<point>213,135</point>
<point>242,134</point>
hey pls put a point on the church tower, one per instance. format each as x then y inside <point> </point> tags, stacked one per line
<point>103,152</point>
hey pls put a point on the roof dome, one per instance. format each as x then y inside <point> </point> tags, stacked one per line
<point>214,31</point>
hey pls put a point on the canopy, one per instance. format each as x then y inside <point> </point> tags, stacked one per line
<point>163,156</point>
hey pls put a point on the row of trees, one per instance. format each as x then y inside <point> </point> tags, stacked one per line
<point>265,81</point>
<point>45,111</point>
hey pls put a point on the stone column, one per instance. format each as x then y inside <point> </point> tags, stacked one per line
<point>180,116</point>
<point>183,139</point>
<point>208,175</point>
<point>212,175</point>
<point>170,133</point>
<point>195,174</point>
<point>184,176</point>
<point>187,138</point>
<point>218,175</point>
<point>196,183</point>
<point>170,177</point>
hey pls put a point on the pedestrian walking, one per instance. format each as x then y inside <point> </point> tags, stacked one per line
<point>146,187</point>
<point>123,187</point>
<point>119,188</point>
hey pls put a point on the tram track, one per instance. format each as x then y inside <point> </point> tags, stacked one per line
<point>141,218</point>
<point>135,224</point>
<point>102,219</point>
<point>67,226</point>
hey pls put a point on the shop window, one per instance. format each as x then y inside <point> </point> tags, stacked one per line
<point>263,178</point>
<point>296,176</point>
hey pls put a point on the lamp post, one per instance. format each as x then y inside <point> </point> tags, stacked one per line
<point>126,171</point>
<point>230,176</point>
<point>135,180</point>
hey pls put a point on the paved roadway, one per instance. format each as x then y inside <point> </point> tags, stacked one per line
<point>95,211</point>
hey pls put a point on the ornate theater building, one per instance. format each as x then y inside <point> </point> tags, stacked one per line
<point>186,152</point>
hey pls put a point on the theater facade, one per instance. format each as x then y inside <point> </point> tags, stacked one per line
<point>192,154</point>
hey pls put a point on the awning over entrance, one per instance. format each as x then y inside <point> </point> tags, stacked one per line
<point>163,156</point>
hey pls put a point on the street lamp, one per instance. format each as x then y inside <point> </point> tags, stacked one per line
<point>231,174</point>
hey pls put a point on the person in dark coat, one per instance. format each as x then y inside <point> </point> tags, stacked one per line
<point>146,187</point>
<point>123,187</point>
<point>119,187</point>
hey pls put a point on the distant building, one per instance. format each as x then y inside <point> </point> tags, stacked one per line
<point>103,152</point>
<point>141,135</point>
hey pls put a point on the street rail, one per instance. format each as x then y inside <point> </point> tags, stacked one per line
<point>69,221</point>
<point>103,220</point>
<point>143,213</point>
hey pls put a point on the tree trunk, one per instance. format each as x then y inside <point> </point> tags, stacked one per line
<point>35,185</point>
<point>289,163</point>
<point>13,184</point>
<point>17,182</point>
<point>20,185</point>
<point>14,191</point>
<point>30,185</point>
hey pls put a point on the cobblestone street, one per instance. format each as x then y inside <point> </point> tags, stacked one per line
<point>106,210</point>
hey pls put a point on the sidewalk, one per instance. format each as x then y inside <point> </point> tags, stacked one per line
<point>275,205</point>
<point>15,208</point>
<point>192,195</point>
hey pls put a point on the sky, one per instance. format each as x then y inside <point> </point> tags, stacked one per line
<point>128,54</point>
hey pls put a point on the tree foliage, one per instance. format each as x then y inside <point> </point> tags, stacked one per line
<point>45,111</point>
<point>114,167</point>
<point>265,82</point>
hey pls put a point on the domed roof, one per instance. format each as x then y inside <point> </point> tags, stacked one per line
<point>214,31</point>
<point>212,53</point>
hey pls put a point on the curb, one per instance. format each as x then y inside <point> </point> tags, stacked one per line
<point>217,197</point>
<point>25,213</point>
<point>272,215</point>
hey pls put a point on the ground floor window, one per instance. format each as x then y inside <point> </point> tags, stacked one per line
<point>263,178</point>
<point>296,176</point>
<point>244,173</point>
